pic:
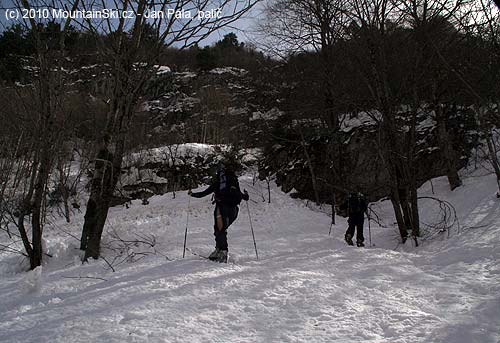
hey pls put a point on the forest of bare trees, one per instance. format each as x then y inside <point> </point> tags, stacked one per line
<point>397,62</point>
<point>131,47</point>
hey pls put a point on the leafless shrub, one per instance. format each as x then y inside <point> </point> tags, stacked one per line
<point>129,249</point>
<point>447,220</point>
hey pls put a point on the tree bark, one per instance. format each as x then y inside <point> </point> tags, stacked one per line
<point>46,123</point>
<point>396,205</point>
<point>449,154</point>
<point>36,219</point>
<point>311,168</point>
<point>102,189</point>
<point>63,180</point>
<point>414,212</point>
<point>493,157</point>
<point>333,207</point>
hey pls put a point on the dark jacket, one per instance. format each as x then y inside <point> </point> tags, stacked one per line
<point>215,187</point>
<point>355,206</point>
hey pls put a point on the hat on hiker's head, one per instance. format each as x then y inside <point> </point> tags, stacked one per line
<point>228,162</point>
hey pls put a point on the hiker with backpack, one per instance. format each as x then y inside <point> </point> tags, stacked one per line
<point>227,197</point>
<point>356,207</point>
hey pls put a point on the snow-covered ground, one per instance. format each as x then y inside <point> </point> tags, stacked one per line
<point>306,286</point>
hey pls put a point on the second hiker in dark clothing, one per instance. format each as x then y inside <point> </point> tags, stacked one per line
<point>356,208</point>
<point>227,197</point>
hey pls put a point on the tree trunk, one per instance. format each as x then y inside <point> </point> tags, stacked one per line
<point>333,207</point>
<point>63,180</point>
<point>45,165</point>
<point>268,180</point>
<point>93,248</point>
<point>493,157</point>
<point>102,189</point>
<point>492,151</point>
<point>36,219</point>
<point>449,154</point>
<point>313,175</point>
<point>104,184</point>
<point>406,208</point>
<point>399,216</point>
<point>25,208</point>
<point>24,236</point>
<point>89,222</point>
<point>395,166</point>
<point>414,210</point>
<point>311,168</point>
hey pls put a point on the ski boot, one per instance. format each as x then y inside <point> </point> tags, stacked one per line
<point>222,257</point>
<point>348,239</point>
<point>360,244</point>
<point>214,256</point>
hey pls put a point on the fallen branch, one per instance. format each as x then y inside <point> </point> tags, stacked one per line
<point>448,219</point>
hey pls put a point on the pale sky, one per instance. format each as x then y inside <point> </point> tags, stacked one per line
<point>242,27</point>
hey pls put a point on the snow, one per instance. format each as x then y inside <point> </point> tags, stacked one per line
<point>146,175</point>
<point>229,70</point>
<point>306,286</point>
<point>166,153</point>
<point>160,70</point>
<point>427,124</point>
<point>363,118</point>
<point>186,75</point>
<point>22,85</point>
<point>235,111</point>
<point>272,114</point>
<point>366,119</point>
<point>90,66</point>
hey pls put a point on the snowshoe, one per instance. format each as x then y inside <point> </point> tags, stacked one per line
<point>360,244</point>
<point>214,256</point>
<point>348,239</point>
<point>222,257</point>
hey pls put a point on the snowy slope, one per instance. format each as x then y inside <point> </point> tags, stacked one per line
<point>306,287</point>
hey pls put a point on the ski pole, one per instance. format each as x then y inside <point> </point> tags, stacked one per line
<point>369,226</point>
<point>333,214</point>
<point>253,234</point>
<point>186,232</point>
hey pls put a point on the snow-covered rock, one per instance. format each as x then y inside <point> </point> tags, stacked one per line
<point>229,70</point>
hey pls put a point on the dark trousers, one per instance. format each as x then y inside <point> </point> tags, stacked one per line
<point>228,216</point>
<point>356,223</point>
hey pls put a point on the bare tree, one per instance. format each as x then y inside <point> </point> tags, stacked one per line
<point>294,27</point>
<point>431,28</point>
<point>482,22</point>
<point>44,101</point>
<point>372,22</point>
<point>305,25</point>
<point>214,104</point>
<point>433,34</point>
<point>132,48</point>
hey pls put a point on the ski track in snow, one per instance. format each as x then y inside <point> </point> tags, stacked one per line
<point>306,287</point>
